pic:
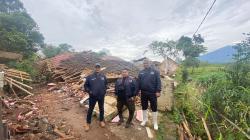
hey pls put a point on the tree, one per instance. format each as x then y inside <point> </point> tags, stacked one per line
<point>191,49</point>
<point>18,31</point>
<point>239,71</point>
<point>104,52</point>
<point>165,49</point>
<point>9,6</point>
<point>51,51</point>
<point>65,48</point>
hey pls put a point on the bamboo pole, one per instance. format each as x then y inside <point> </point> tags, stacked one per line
<point>16,85</point>
<point>206,128</point>
<point>185,126</point>
<point>18,74</point>
<point>14,92</point>
<point>233,124</point>
<point>17,71</point>
<point>180,132</point>
<point>13,80</point>
<point>18,77</point>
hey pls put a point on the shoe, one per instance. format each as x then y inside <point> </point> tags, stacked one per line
<point>87,127</point>
<point>120,122</point>
<point>144,117</point>
<point>155,120</point>
<point>102,124</point>
<point>128,125</point>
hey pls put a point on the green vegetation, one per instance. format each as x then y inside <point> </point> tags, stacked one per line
<point>218,93</point>
<point>51,51</point>
<point>19,33</point>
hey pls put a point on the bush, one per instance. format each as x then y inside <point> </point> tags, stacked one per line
<point>231,101</point>
<point>26,65</point>
<point>210,79</point>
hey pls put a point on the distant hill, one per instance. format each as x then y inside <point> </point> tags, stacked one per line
<point>220,56</point>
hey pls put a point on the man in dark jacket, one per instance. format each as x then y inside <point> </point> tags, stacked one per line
<point>125,90</point>
<point>150,88</point>
<point>96,85</point>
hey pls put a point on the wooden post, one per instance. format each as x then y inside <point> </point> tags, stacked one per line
<point>1,115</point>
<point>206,128</point>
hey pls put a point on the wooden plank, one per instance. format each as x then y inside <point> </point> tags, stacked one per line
<point>18,74</point>
<point>15,81</point>
<point>17,71</point>
<point>60,134</point>
<point>150,135</point>
<point>19,87</point>
<point>185,126</point>
<point>14,92</point>
<point>73,75</point>
<point>206,128</point>
<point>18,77</point>
<point>110,100</point>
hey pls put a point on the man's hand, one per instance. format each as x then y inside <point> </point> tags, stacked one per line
<point>158,94</point>
<point>139,93</point>
<point>131,99</point>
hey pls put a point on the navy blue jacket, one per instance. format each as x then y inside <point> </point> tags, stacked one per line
<point>126,90</point>
<point>149,81</point>
<point>96,85</point>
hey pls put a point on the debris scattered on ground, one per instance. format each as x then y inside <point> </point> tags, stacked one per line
<point>150,135</point>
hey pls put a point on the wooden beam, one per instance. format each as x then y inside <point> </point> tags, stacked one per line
<point>150,135</point>
<point>16,85</point>
<point>18,74</point>
<point>13,80</point>
<point>14,92</point>
<point>18,77</point>
<point>206,128</point>
<point>17,71</point>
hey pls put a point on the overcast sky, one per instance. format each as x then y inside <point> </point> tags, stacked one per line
<point>126,27</point>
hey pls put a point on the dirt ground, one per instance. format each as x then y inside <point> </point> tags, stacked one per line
<point>66,111</point>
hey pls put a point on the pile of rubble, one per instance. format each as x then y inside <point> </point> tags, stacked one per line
<point>71,67</point>
<point>21,117</point>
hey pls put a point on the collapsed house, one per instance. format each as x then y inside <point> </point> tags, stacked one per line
<point>166,67</point>
<point>71,67</point>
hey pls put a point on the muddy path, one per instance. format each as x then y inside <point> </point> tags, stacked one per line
<point>65,112</point>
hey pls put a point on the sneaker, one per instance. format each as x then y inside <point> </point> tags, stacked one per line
<point>87,127</point>
<point>102,124</point>
<point>120,122</point>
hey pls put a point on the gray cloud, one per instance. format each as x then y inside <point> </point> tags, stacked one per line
<point>126,27</point>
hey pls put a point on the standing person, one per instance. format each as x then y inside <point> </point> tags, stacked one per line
<point>125,90</point>
<point>96,85</point>
<point>150,88</point>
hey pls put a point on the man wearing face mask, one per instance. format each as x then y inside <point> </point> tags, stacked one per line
<point>150,88</point>
<point>96,85</point>
<point>125,90</point>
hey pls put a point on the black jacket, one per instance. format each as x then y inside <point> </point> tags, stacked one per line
<point>96,85</point>
<point>127,89</point>
<point>149,81</point>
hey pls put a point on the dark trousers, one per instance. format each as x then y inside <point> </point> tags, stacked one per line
<point>145,97</point>
<point>92,102</point>
<point>131,108</point>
